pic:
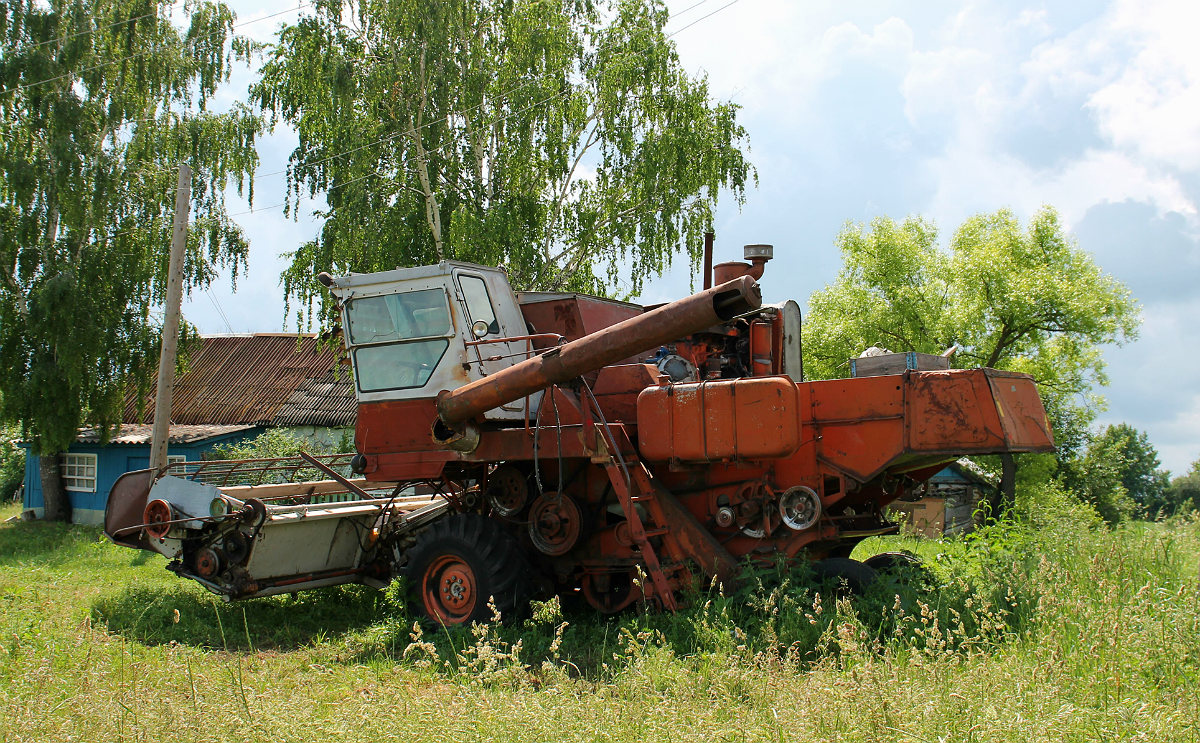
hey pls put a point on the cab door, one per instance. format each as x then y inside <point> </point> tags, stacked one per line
<point>492,316</point>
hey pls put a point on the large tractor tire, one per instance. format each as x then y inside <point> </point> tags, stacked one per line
<point>848,576</point>
<point>894,561</point>
<point>462,561</point>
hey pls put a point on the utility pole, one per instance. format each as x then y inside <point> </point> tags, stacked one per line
<point>170,332</point>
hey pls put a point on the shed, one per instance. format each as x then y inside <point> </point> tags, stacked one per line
<point>235,387</point>
<point>947,504</point>
<point>90,468</point>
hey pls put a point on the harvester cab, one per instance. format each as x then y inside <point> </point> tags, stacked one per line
<point>413,332</point>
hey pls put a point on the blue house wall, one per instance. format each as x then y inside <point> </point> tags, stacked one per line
<point>112,461</point>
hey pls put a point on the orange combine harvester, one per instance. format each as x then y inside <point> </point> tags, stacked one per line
<point>515,445</point>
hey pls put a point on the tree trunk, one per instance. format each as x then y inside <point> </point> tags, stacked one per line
<point>1008,482</point>
<point>57,503</point>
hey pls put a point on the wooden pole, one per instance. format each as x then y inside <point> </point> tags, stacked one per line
<point>170,332</point>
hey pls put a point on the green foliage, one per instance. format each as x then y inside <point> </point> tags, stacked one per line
<point>543,136</point>
<point>12,464</point>
<point>274,442</point>
<point>1183,494</point>
<point>100,101</point>
<point>1118,474</point>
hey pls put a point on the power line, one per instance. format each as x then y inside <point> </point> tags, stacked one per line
<point>91,30</point>
<point>144,52</point>
<point>502,97</point>
<point>217,305</point>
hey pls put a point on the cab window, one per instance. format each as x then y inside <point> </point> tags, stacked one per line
<point>398,339</point>
<point>393,317</point>
<point>479,304</point>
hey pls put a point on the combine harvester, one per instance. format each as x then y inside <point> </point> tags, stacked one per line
<point>516,445</point>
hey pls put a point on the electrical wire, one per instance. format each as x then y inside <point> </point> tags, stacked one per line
<point>77,34</point>
<point>217,305</point>
<point>144,52</point>
<point>381,171</point>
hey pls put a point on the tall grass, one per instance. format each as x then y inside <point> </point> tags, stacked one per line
<point>1048,628</point>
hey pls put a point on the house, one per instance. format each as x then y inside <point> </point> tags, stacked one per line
<point>947,504</point>
<point>234,388</point>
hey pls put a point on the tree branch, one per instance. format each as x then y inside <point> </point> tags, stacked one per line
<point>433,215</point>
<point>10,278</point>
<point>592,138</point>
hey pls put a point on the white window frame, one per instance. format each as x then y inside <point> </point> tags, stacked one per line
<point>74,468</point>
<point>173,458</point>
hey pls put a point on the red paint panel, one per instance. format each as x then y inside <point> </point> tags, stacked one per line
<point>617,388</point>
<point>951,409</point>
<point>857,399</point>
<point>574,316</point>
<point>1022,414</point>
<point>861,448</point>
<point>711,421</point>
<point>395,426</point>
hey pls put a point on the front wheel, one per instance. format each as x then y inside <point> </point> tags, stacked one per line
<point>462,561</point>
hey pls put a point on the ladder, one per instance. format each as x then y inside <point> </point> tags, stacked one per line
<point>633,485</point>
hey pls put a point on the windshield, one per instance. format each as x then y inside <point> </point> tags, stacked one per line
<point>398,317</point>
<point>398,339</point>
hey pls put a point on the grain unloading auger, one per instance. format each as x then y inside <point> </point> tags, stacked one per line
<point>515,445</point>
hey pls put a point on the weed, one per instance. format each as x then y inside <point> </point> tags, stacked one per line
<point>1051,628</point>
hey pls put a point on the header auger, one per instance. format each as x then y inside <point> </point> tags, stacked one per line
<point>514,445</point>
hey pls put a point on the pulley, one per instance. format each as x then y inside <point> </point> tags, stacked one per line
<point>555,523</point>
<point>207,562</point>
<point>507,490</point>
<point>156,517</point>
<point>800,507</point>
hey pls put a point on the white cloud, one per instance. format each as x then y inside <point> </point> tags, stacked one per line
<point>1132,70</point>
<point>1153,106</point>
<point>942,84</point>
<point>973,177</point>
<point>1139,73</point>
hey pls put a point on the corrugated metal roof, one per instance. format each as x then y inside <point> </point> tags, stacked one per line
<point>136,433</point>
<point>319,400</point>
<point>253,380</point>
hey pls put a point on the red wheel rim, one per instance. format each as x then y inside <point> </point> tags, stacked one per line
<point>157,512</point>
<point>555,523</point>
<point>449,590</point>
<point>507,490</point>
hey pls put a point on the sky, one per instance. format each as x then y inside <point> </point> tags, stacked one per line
<point>936,108</point>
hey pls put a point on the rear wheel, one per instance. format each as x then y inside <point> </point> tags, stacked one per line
<point>892,561</point>
<point>848,576</point>
<point>462,561</point>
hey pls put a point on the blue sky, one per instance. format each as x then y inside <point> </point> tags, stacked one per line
<point>928,107</point>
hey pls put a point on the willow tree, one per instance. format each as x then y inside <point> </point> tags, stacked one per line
<point>1025,299</point>
<point>100,100</point>
<point>560,139</point>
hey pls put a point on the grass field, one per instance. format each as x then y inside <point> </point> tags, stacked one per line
<point>1043,631</point>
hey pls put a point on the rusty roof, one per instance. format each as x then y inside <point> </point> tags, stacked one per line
<point>258,379</point>
<point>136,433</point>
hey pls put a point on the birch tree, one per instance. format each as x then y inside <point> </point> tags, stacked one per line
<point>561,139</point>
<point>99,102</point>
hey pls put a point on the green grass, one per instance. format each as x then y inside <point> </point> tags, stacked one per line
<point>1042,631</point>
